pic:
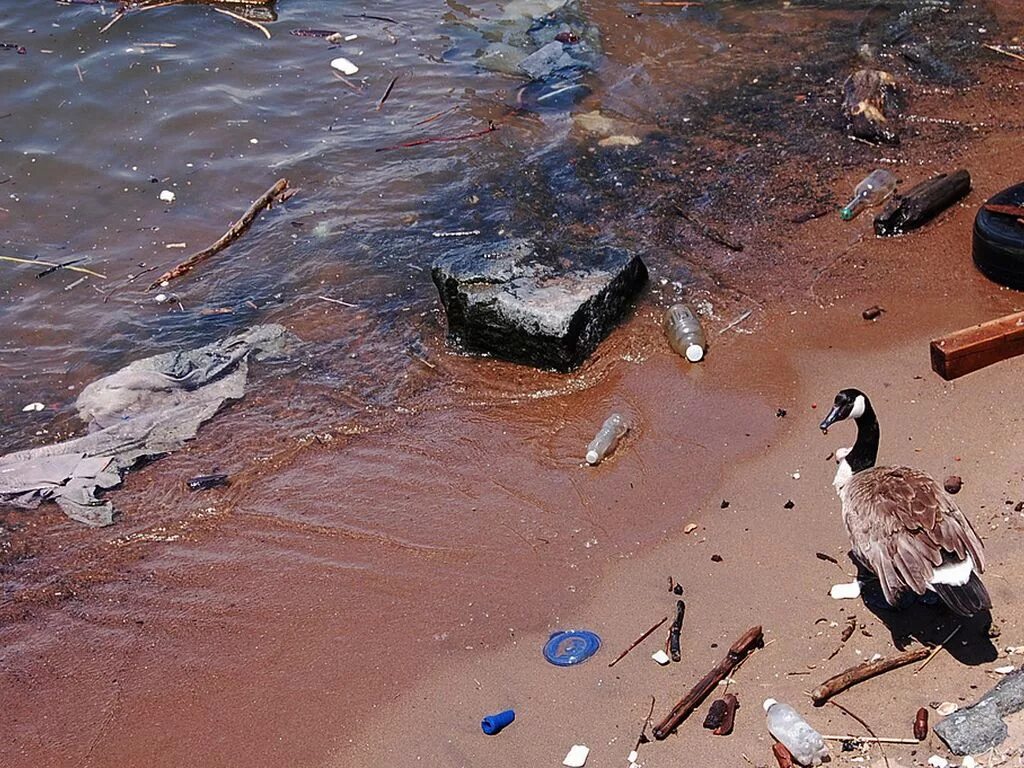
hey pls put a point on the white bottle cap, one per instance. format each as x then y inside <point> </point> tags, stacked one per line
<point>769,703</point>
<point>591,457</point>
<point>694,353</point>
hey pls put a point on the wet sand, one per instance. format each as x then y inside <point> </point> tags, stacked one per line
<point>396,581</point>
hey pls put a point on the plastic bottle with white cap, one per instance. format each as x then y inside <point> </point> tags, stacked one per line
<point>604,441</point>
<point>793,732</point>
<point>684,332</point>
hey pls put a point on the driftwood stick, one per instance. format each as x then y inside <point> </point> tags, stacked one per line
<point>677,626</point>
<point>250,22</point>
<point>871,739</point>
<point>637,642</point>
<point>491,128</point>
<point>1006,210</point>
<point>922,203</point>
<point>265,200</point>
<point>750,639</point>
<point>865,671</point>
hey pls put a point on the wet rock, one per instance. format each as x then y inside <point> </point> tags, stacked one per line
<point>528,305</point>
<point>953,484</point>
<point>980,727</point>
<point>871,106</point>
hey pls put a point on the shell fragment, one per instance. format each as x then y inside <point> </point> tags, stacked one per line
<point>344,66</point>
<point>577,756</point>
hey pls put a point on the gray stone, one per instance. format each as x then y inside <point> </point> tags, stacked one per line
<point>980,726</point>
<point>532,306</point>
<point>548,61</point>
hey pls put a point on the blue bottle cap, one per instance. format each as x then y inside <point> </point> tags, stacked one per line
<point>569,647</point>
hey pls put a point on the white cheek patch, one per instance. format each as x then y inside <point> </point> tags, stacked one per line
<point>858,407</point>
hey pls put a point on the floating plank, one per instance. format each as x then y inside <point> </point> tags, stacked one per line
<point>979,346</point>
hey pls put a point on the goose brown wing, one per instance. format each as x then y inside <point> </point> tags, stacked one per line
<point>904,524</point>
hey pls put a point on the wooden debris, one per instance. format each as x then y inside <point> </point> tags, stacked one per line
<point>870,739</point>
<point>999,49</point>
<point>936,649</point>
<point>673,635</point>
<point>637,642</point>
<point>721,715</point>
<point>387,93</point>
<point>491,127</point>
<point>1006,210</point>
<point>750,640</point>
<point>53,266</point>
<point>244,20</point>
<point>970,349</point>
<point>846,634</point>
<point>871,106</point>
<point>275,194</point>
<point>782,756</point>
<point>923,202</point>
<point>865,671</point>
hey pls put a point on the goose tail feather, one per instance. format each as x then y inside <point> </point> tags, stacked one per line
<point>964,599</point>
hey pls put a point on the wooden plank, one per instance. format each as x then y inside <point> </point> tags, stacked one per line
<point>969,349</point>
<point>923,203</point>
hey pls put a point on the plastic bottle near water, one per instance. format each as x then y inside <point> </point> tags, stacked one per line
<point>793,732</point>
<point>684,332</point>
<point>606,438</point>
<point>872,191</point>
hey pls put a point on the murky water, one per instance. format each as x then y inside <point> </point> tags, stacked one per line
<point>379,473</point>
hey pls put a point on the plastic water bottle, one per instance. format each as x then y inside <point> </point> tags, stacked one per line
<point>793,732</point>
<point>606,438</point>
<point>873,190</point>
<point>684,332</point>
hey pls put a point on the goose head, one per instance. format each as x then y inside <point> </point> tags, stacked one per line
<point>849,404</point>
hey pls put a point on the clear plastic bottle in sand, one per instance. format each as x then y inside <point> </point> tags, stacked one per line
<point>873,190</point>
<point>607,437</point>
<point>793,732</point>
<point>684,332</point>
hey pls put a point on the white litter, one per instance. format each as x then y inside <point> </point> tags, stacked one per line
<point>946,708</point>
<point>1004,670</point>
<point>350,38</point>
<point>160,298</point>
<point>167,196</point>
<point>690,528</point>
<point>633,756</point>
<point>849,591</point>
<point>577,756</point>
<point>661,657</point>
<point>968,762</point>
<point>33,407</point>
<point>935,761</point>
<point>344,66</point>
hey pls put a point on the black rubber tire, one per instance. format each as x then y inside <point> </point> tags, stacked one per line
<point>999,241</point>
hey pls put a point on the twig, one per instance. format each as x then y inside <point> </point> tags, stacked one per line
<point>265,200</point>
<point>435,116</point>
<point>491,128</point>
<point>338,301</point>
<point>737,652</point>
<point>642,738</point>
<point>116,18</point>
<point>81,77</point>
<point>867,727</point>
<point>673,4</point>
<point>847,633</point>
<point>939,647</point>
<point>40,263</point>
<point>347,82</point>
<point>998,49</point>
<point>244,20</point>
<point>872,739</point>
<point>387,93</point>
<point>862,672</point>
<point>637,642</point>
<point>737,321</point>
<point>368,16</point>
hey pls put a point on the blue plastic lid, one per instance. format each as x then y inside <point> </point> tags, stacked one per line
<point>569,647</point>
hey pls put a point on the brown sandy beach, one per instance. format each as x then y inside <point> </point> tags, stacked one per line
<point>366,633</point>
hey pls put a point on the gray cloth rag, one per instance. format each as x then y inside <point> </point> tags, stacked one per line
<point>148,408</point>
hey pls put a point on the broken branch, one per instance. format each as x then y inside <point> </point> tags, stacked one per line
<point>491,128</point>
<point>266,200</point>
<point>750,639</point>
<point>862,672</point>
<point>637,642</point>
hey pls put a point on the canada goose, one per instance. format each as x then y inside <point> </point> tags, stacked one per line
<point>903,526</point>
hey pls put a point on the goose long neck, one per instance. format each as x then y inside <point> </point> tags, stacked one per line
<point>865,450</point>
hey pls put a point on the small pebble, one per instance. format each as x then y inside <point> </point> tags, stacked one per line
<point>946,708</point>
<point>716,558</point>
<point>968,762</point>
<point>935,761</point>
<point>661,657</point>
<point>160,298</point>
<point>872,313</point>
<point>577,756</point>
<point>789,504</point>
<point>953,484</point>
<point>167,196</point>
<point>849,591</point>
<point>690,528</point>
<point>725,504</point>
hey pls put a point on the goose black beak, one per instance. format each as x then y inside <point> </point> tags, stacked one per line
<point>828,421</point>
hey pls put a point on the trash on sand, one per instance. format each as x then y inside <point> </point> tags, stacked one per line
<point>1004,670</point>
<point>661,657</point>
<point>803,742</point>
<point>922,203</point>
<point>871,106</point>
<point>872,313</point>
<point>149,408</point>
<point>637,642</point>
<point>206,482</point>
<point>978,346</point>
<point>577,756</point>
<point>677,625</point>
<point>921,724</point>
<point>748,641</point>
<point>850,591</point>
<point>937,761</point>
<point>570,647</point>
<point>873,190</point>
<point>493,724</point>
<point>607,437</point>
<point>946,708</point>
<point>167,196</point>
<point>858,674</point>
<point>998,242</point>
<point>953,484</point>
<point>782,756</point>
<point>685,334</point>
<point>344,66</point>
<point>33,407</point>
